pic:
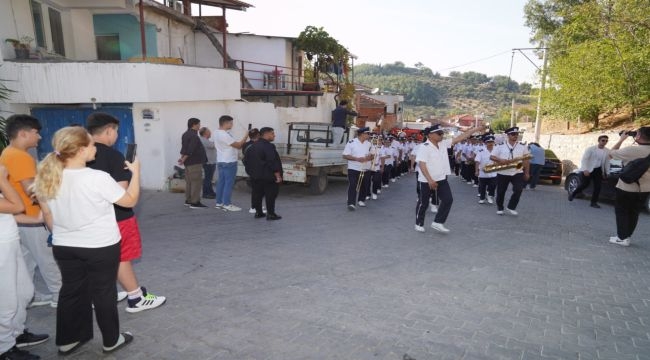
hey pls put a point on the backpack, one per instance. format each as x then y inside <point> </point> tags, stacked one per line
<point>633,170</point>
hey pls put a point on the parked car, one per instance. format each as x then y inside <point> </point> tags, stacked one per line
<point>552,169</point>
<point>608,188</point>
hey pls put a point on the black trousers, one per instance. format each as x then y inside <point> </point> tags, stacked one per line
<point>376,181</point>
<point>433,193</point>
<point>394,170</point>
<point>353,183</point>
<point>626,208</point>
<point>387,175</point>
<point>466,171</point>
<point>517,181</point>
<point>444,196</point>
<point>597,176</point>
<point>267,189</point>
<point>488,184</point>
<point>88,277</point>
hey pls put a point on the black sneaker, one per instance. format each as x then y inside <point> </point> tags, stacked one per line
<point>29,339</point>
<point>197,205</point>
<point>273,217</point>
<point>16,354</point>
<point>257,216</point>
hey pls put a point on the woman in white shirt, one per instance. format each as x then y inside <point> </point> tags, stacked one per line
<point>77,204</point>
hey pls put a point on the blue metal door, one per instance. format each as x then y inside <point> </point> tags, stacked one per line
<point>54,118</point>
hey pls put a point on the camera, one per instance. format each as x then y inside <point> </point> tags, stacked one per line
<point>628,133</point>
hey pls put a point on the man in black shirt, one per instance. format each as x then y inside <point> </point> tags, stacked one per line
<point>103,128</point>
<point>193,157</point>
<point>265,169</point>
<point>339,121</point>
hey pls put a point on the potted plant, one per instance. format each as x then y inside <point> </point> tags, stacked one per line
<point>22,46</point>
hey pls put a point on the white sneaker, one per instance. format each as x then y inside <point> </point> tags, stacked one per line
<point>499,212</point>
<point>490,200</point>
<point>474,185</point>
<point>367,197</point>
<point>434,208</point>
<point>252,211</point>
<point>374,196</point>
<point>351,207</point>
<point>121,295</point>
<point>481,201</point>
<point>378,191</point>
<point>145,302</point>
<point>617,241</point>
<point>231,207</point>
<point>392,180</point>
<point>385,186</point>
<point>419,228</point>
<point>217,206</point>
<point>512,212</point>
<point>39,302</point>
<point>361,204</point>
<point>470,182</point>
<point>439,227</point>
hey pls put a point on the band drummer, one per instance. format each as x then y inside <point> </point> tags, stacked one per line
<point>511,153</point>
<point>357,152</point>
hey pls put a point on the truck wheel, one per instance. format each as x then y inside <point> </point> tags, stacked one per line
<point>318,183</point>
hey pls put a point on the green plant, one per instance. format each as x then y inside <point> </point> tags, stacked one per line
<point>5,93</point>
<point>24,42</point>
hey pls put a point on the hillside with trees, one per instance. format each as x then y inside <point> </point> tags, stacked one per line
<point>427,93</point>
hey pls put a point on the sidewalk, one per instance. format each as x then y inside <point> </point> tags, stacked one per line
<point>326,283</point>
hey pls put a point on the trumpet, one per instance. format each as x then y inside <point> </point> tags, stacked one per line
<point>516,163</point>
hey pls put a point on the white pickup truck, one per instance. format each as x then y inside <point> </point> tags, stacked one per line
<point>309,156</point>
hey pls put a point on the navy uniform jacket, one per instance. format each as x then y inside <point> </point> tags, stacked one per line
<point>262,161</point>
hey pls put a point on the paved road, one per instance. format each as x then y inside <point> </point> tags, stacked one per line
<point>325,283</point>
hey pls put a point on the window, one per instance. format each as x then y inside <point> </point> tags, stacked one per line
<point>57,31</point>
<point>37,15</point>
<point>108,47</point>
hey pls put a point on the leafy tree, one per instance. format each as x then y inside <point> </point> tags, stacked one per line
<point>5,93</point>
<point>598,54</point>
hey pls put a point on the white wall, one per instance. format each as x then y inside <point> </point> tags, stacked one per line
<point>15,22</point>
<point>82,45</point>
<point>75,82</point>
<point>159,140</point>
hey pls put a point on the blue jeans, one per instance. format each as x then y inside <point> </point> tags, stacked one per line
<point>226,181</point>
<point>208,174</point>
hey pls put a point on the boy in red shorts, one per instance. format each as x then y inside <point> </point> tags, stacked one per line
<point>103,128</point>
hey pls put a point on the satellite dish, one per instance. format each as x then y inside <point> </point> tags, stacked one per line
<point>374,91</point>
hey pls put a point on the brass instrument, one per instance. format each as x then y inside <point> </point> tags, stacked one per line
<point>516,163</point>
<point>373,142</point>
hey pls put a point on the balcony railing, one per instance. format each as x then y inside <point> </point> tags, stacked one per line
<point>261,76</point>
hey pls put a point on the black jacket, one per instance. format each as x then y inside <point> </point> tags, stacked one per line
<point>192,147</point>
<point>262,161</point>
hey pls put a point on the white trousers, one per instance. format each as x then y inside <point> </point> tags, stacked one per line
<point>337,135</point>
<point>33,241</point>
<point>15,294</point>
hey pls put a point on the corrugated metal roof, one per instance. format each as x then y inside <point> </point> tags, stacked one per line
<point>228,4</point>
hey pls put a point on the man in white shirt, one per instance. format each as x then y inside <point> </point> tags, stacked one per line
<point>593,165</point>
<point>357,152</point>
<point>486,181</point>
<point>508,153</point>
<point>433,163</point>
<point>227,151</point>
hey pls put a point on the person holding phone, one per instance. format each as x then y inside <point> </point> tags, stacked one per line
<point>104,130</point>
<point>77,204</point>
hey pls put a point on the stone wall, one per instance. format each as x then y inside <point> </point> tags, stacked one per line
<point>569,148</point>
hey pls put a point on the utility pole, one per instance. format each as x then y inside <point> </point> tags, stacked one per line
<point>538,117</point>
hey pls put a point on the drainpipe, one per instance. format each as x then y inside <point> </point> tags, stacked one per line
<point>225,48</point>
<point>143,41</point>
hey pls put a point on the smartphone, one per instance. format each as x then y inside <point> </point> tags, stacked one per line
<point>130,152</point>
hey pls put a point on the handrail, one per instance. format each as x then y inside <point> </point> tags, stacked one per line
<point>258,75</point>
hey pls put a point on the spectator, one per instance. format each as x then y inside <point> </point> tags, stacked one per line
<point>104,130</point>
<point>536,164</point>
<point>593,166</point>
<point>340,122</point>
<point>17,287</point>
<point>227,148</point>
<point>210,166</point>
<point>630,197</point>
<point>23,134</point>
<point>193,157</point>
<point>85,238</point>
<point>253,136</point>
<point>265,168</point>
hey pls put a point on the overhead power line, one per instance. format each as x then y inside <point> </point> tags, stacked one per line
<point>476,61</point>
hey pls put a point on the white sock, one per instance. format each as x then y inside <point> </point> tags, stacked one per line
<point>135,294</point>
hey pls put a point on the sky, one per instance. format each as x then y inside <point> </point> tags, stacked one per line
<point>444,35</point>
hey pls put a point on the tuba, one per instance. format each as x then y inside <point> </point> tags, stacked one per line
<point>516,163</point>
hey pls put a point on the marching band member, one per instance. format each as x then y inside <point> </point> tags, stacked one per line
<point>357,152</point>
<point>504,154</point>
<point>486,181</point>
<point>434,168</point>
<point>397,155</point>
<point>376,167</point>
<point>388,162</point>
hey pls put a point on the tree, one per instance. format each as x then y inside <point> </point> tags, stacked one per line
<point>598,54</point>
<point>325,51</point>
<point>5,93</point>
